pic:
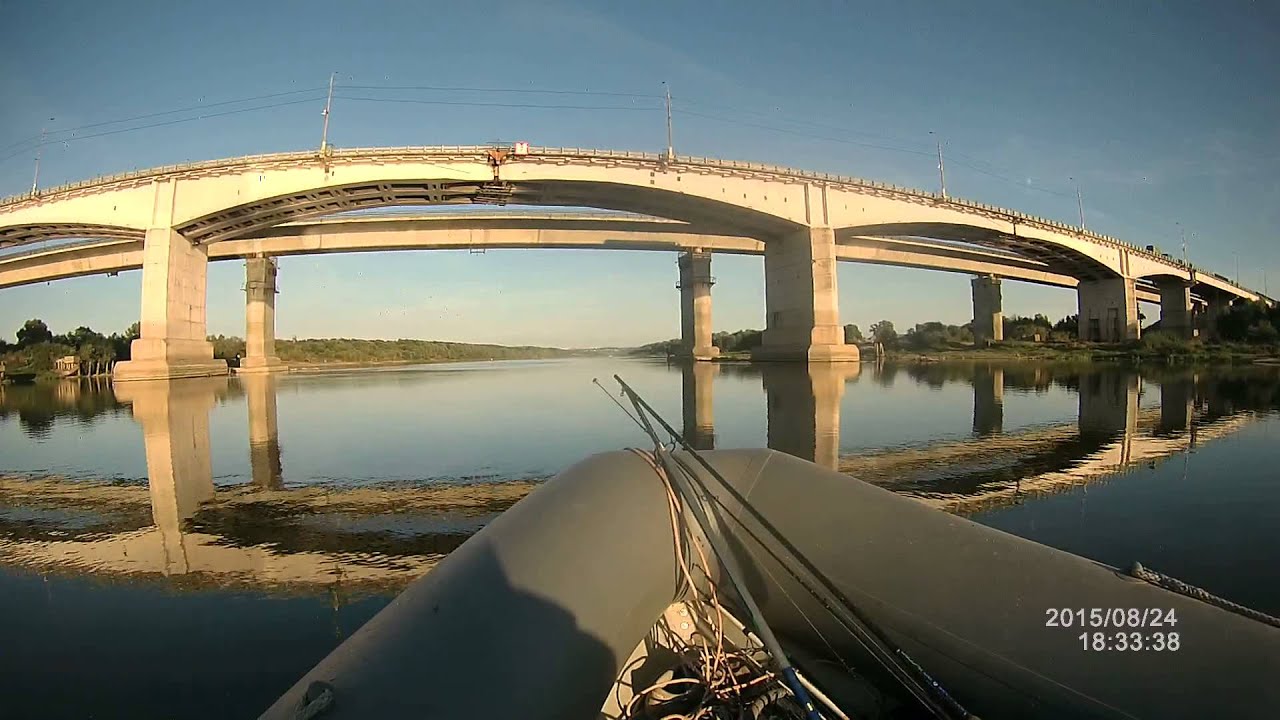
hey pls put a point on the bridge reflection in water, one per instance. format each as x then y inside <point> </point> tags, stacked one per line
<point>265,534</point>
<point>1112,434</point>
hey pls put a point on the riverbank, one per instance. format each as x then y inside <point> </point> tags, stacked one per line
<point>1159,350</point>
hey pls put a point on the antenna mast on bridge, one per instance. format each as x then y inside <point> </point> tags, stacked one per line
<point>671,153</point>
<point>328,104</point>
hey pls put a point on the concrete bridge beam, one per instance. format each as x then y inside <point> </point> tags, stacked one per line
<point>1108,310</point>
<point>260,318</point>
<point>988,316</point>
<point>802,300</point>
<point>1175,307</point>
<point>695,305</point>
<point>173,342</point>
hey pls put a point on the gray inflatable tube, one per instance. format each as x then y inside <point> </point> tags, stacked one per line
<point>534,615</point>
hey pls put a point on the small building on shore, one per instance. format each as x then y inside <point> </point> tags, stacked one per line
<point>67,366</point>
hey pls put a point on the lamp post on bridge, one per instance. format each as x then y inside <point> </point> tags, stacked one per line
<point>671,153</point>
<point>1183,231</point>
<point>942,172</point>
<point>35,179</point>
<point>328,104</point>
<point>1079,201</point>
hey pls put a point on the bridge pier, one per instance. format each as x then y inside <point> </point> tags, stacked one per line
<point>988,401</point>
<point>988,316</point>
<point>264,431</point>
<point>1108,310</point>
<point>174,416</point>
<point>695,305</point>
<point>173,342</point>
<point>1175,308</point>
<point>260,318</point>
<point>697,408</point>
<point>802,300</point>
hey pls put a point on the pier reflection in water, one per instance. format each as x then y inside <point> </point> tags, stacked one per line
<point>232,516</point>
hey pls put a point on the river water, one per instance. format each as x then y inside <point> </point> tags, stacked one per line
<point>190,549</point>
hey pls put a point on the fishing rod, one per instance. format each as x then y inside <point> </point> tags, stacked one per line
<point>899,664</point>
<point>727,560</point>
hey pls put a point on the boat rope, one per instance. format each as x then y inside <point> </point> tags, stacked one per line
<point>1175,585</point>
<point>909,674</point>
<point>716,679</point>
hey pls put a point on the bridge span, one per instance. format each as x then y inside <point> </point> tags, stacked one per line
<point>802,223</point>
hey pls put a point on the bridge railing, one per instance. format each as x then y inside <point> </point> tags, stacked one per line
<point>469,150</point>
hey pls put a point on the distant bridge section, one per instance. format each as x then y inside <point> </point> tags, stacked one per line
<point>802,223</point>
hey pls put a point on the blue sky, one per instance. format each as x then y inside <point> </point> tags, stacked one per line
<point>1166,112</point>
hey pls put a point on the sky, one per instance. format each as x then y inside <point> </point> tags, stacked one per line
<point>1165,113</point>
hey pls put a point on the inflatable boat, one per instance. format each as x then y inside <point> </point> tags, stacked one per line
<point>559,607</point>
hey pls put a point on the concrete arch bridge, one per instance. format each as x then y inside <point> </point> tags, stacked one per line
<point>171,221</point>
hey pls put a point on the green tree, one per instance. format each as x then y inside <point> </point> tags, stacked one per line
<point>32,332</point>
<point>852,334</point>
<point>884,333</point>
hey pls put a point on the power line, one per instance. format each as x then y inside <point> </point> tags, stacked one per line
<point>800,134</point>
<point>444,88</point>
<point>161,114</point>
<point>413,101</point>
<point>224,113</point>
<point>795,121</point>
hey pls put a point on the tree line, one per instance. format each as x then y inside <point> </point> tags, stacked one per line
<point>38,348</point>
<point>325,350</point>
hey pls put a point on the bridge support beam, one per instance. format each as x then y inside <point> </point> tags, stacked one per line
<point>802,301</point>
<point>1108,310</point>
<point>173,342</point>
<point>988,316</point>
<point>1175,308</point>
<point>260,317</point>
<point>695,305</point>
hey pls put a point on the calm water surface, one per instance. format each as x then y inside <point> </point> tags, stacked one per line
<point>190,549</point>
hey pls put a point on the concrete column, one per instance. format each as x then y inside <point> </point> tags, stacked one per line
<point>988,400</point>
<point>1175,307</point>
<point>173,342</point>
<point>801,299</point>
<point>264,433</point>
<point>175,434</point>
<point>1108,310</point>
<point>988,316</point>
<point>695,305</point>
<point>260,317</point>
<point>803,407</point>
<point>696,406</point>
